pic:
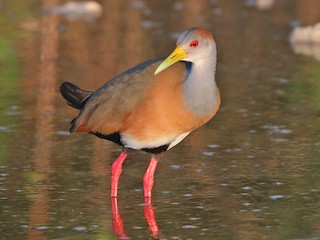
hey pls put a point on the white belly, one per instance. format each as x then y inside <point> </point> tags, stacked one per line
<point>133,143</point>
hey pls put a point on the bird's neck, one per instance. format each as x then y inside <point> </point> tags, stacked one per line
<point>200,87</point>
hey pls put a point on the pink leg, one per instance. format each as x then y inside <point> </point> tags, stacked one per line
<point>148,179</point>
<point>116,170</point>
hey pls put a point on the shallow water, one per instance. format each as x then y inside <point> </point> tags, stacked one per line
<point>251,173</point>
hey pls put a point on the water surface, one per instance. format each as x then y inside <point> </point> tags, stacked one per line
<point>251,173</point>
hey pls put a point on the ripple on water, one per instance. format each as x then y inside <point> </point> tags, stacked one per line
<point>213,145</point>
<point>5,129</point>
<point>246,188</point>
<point>279,140</point>
<point>188,195</point>
<point>278,183</point>
<point>80,228</point>
<point>166,192</point>
<point>150,24</point>
<point>13,113</point>
<point>137,5</point>
<point>63,133</point>
<point>276,129</point>
<point>42,227</point>
<point>189,227</point>
<point>137,227</point>
<point>224,184</point>
<point>275,197</point>
<point>178,6</point>
<point>209,154</point>
<point>175,167</point>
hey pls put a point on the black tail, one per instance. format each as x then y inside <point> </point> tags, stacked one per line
<point>75,96</point>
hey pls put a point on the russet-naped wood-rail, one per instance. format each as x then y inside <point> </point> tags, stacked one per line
<point>154,105</point>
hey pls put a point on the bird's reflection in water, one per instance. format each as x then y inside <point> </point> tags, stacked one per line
<point>150,217</point>
<point>117,223</point>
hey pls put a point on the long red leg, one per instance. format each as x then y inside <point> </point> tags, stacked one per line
<point>116,170</point>
<point>148,179</point>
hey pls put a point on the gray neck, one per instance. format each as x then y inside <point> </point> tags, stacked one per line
<point>200,87</point>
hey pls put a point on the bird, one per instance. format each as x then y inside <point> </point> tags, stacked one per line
<point>152,106</point>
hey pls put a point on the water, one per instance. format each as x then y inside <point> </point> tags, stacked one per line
<point>251,173</point>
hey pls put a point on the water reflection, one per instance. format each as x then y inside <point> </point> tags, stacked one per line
<point>117,223</point>
<point>88,10</point>
<point>307,49</point>
<point>149,214</point>
<point>44,128</point>
<point>251,173</point>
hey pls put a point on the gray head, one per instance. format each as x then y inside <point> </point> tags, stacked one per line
<point>194,45</point>
<point>198,44</point>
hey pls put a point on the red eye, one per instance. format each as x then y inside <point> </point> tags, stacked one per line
<point>194,43</point>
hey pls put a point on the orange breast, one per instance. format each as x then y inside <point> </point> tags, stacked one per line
<point>163,112</point>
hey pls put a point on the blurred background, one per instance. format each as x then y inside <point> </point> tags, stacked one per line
<point>251,173</point>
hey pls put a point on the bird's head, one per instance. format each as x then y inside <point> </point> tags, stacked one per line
<point>193,45</point>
